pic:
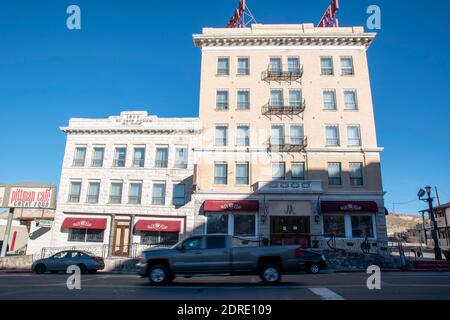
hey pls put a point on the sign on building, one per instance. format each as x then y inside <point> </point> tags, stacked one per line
<point>28,196</point>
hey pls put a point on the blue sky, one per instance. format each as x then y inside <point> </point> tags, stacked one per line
<point>128,51</point>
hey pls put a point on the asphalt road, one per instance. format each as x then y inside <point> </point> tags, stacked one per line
<point>331,286</point>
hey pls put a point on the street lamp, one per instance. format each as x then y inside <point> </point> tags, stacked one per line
<point>433,225</point>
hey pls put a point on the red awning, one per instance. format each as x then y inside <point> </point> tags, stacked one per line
<point>84,223</point>
<point>158,225</point>
<point>230,205</point>
<point>349,206</point>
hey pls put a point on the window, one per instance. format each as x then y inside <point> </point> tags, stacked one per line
<point>277,136</point>
<point>244,225</point>
<point>243,66</point>
<point>80,157</point>
<point>353,136</point>
<point>329,100</point>
<point>298,171</point>
<point>295,98</point>
<point>159,238</point>
<point>294,65</point>
<point>332,136</point>
<point>139,157</point>
<point>179,191</point>
<point>162,156</point>
<point>347,66</point>
<point>93,192</point>
<point>181,158</point>
<point>326,64</point>
<point>115,194</point>
<point>159,194</point>
<point>242,173</point>
<point>351,102</point>
<point>215,242</point>
<point>276,98</point>
<point>192,244</point>
<point>334,174</point>
<point>297,135</point>
<point>97,157</point>
<point>362,226</point>
<point>220,173</point>
<point>74,192</point>
<point>221,136</point>
<point>85,235</point>
<point>243,135</point>
<point>334,225</point>
<point>223,66</point>
<point>278,171</point>
<point>217,223</point>
<point>135,193</point>
<point>356,175</point>
<point>222,100</point>
<point>275,66</point>
<point>120,157</point>
<point>243,99</point>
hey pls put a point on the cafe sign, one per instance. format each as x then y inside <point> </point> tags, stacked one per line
<point>28,196</point>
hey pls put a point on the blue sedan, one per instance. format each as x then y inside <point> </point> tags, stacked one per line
<point>62,260</point>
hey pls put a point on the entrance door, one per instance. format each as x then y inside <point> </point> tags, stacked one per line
<point>290,231</point>
<point>121,243</point>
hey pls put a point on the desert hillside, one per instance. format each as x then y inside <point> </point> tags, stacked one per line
<point>402,222</point>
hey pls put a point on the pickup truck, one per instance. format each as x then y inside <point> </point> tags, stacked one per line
<point>215,255</point>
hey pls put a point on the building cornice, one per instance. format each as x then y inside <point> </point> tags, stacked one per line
<point>146,131</point>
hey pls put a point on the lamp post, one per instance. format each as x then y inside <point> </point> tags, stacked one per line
<point>433,225</point>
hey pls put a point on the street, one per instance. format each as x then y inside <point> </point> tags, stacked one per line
<point>328,286</point>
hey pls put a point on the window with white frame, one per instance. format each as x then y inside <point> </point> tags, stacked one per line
<point>294,65</point>
<point>139,157</point>
<point>243,66</point>
<point>350,99</point>
<point>217,223</point>
<point>326,66</point>
<point>276,98</point>
<point>334,174</point>
<point>179,194</point>
<point>220,173</point>
<point>329,99</point>
<point>242,173</point>
<point>159,194</point>
<point>222,100</point>
<point>93,192</point>
<point>135,193</point>
<point>243,99</point>
<point>298,171</point>
<point>295,98</point>
<point>74,191</point>
<point>277,135</point>
<point>120,155</point>
<point>275,65</point>
<point>239,225</point>
<point>223,66</point>
<point>85,235</point>
<point>353,136</point>
<point>332,136</point>
<point>115,193</point>
<point>243,135</point>
<point>362,226</point>
<point>159,238</point>
<point>162,157</point>
<point>356,173</point>
<point>98,155</point>
<point>334,225</point>
<point>79,157</point>
<point>278,171</point>
<point>297,134</point>
<point>221,138</point>
<point>181,157</point>
<point>347,66</point>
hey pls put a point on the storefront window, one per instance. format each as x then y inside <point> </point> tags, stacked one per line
<point>217,223</point>
<point>245,225</point>
<point>164,238</point>
<point>362,226</point>
<point>85,235</point>
<point>334,225</point>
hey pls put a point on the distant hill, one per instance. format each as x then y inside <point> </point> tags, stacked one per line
<point>402,222</point>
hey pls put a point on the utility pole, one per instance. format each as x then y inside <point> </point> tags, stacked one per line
<point>7,232</point>
<point>433,224</point>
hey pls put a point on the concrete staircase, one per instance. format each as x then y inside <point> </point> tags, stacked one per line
<point>432,265</point>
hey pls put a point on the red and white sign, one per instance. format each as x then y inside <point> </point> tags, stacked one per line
<point>84,223</point>
<point>230,205</point>
<point>30,197</point>
<point>158,225</point>
<point>349,206</point>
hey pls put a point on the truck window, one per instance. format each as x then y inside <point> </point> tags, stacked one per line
<point>192,244</point>
<point>215,242</point>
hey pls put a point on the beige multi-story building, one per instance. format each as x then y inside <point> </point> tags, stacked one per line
<point>126,183</point>
<point>288,150</point>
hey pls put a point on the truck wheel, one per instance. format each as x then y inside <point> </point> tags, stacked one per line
<point>313,268</point>
<point>159,275</point>
<point>270,274</point>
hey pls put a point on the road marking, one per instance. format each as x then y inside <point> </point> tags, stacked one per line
<point>326,294</point>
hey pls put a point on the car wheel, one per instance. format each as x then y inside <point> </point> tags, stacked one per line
<point>313,268</point>
<point>83,268</point>
<point>159,275</point>
<point>270,274</point>
<point>93,271</point>
<point>40,268</point>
